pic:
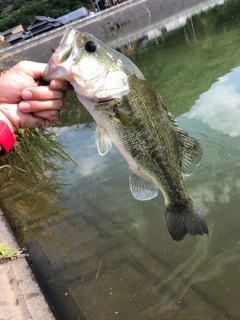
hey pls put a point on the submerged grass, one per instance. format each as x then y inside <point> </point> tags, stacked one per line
<point>32,184</point>
<point>33,145</point>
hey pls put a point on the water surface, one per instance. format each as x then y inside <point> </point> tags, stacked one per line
<point>101,254</point>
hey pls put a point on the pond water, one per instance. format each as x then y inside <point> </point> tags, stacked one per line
<point>100,254</point>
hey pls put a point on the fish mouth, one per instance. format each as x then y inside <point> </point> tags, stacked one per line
<point>58,62</point>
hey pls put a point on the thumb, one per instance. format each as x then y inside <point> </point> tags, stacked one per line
<point>31,122</point>
<point>33,69</point>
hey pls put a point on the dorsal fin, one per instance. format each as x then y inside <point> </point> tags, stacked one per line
<point>190,149</point>
<point>170,116</point>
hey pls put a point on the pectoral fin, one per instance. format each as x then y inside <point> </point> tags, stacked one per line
<point>141,189</point>
<point>103,141</point>
<point>190,150</point>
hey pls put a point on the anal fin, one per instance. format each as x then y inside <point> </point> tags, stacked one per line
<point>141,189</point>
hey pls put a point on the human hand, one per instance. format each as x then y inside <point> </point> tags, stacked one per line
<point>24,102</point>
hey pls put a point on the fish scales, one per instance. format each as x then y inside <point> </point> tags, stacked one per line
<point>146,143</point>
<point>130,114</point>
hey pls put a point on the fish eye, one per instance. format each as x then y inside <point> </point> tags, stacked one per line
<point>90,46</point>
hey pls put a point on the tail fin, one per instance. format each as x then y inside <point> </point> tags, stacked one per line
<point>182,220</point>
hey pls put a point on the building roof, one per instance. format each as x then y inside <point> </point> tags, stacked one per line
<point>15,37</point>
<point>7,32</point>
<point>42,20</point>
<point>74,15</point>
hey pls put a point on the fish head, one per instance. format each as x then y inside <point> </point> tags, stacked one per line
<point>96,71</point>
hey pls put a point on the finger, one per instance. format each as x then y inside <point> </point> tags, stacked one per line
<point>60,85</point>
<point>16,119</point>
<point>37,106</point>
<point>30,121</point>
<point>34,69</point>
<point>42,93</point>
<point>51,116</point>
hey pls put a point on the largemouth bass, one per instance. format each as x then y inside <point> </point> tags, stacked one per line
<point>130,114</point>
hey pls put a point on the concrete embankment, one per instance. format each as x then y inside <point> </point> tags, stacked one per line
<point>20,295</point>
<point>107,23</point>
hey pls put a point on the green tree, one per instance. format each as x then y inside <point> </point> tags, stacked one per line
<point>14,12</point>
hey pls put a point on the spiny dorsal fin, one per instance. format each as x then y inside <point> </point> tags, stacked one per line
<point>190,151</point>
<point>170,116</point>
<point>141,189</point>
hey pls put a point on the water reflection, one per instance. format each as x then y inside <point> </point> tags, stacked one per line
<point>143,271</point>
<point>219,107</point>
<point>166,18</point>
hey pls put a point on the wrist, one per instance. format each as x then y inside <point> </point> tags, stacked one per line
<point>5,119</point>
<point>6,138</point>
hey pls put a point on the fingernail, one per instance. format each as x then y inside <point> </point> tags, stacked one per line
<point>27,95</point>
<point>57,85</point>
<point>24,106</point>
